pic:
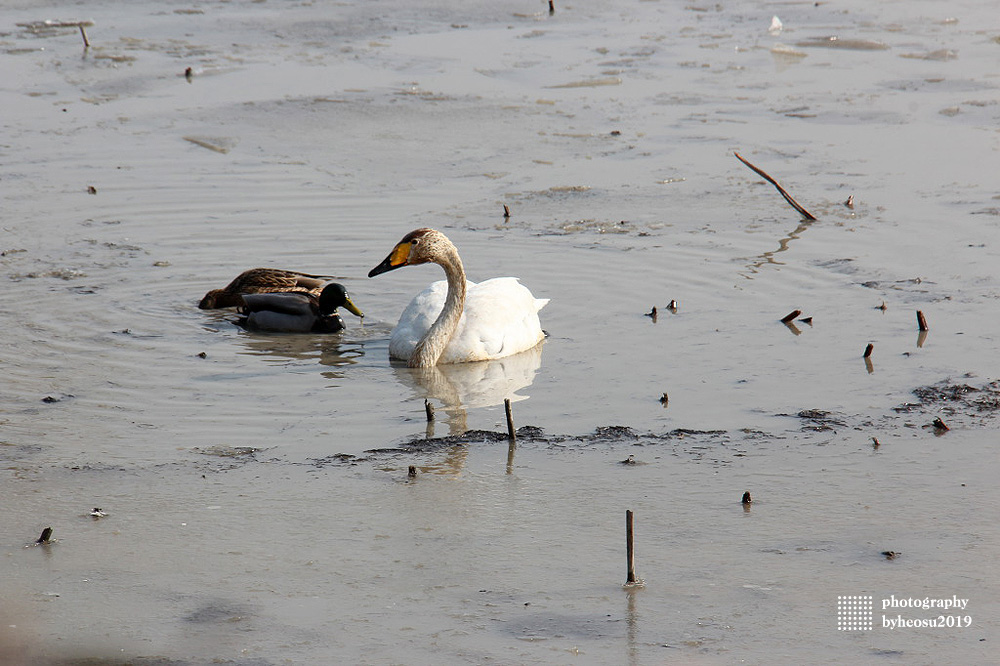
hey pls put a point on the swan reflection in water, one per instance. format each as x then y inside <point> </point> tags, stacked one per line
<point>459,387</point>
<point>453,389</point>
<point>462,386</point>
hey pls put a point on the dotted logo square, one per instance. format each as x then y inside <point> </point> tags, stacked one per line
<point>854,613</point>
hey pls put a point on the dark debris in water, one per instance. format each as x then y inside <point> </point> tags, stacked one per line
<point>524,433</point>
<point>616,433</point>
<point>818,420</point>
<point>698,442</point>
<point>335,459</point>
<point>234,456</point>
<point>230,451</point>
<point>952,399</point>
<point>943,392</point>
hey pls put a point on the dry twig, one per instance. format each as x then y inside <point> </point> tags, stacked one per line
<point>794,204</point>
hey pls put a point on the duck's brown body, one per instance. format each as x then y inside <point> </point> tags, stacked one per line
<point>262,281</point>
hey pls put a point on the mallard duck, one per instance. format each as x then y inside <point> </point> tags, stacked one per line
<point>297,312</point>
<point>262,281</point>
<point>456,321</point>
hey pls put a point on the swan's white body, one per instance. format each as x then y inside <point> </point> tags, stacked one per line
<point>455,321</point>
<point>500,318</point>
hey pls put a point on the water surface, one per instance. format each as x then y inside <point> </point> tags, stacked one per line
<point>259,505</point>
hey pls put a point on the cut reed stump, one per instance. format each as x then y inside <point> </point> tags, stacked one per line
<point>921,321</point>
<point>511,433</point>
<point>788,318</point>
<point>630,549</point>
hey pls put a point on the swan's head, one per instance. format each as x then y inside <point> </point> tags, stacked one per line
<point>334,296</point>
<point>417,247</point>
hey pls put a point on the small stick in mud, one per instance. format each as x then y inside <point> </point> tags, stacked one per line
<point>412,472</point>
<point>939,424</point>
<point>746,499</point>
<point>921,321</point>
<point>790,316</point>
<point>429,410</point>
<point>794,204</point>
<point>552,7</point>
<point>630,579</point>
<point>46,536</point>
<point>511,434</point>
<point>506,212</point>
<point>83,33</point>
<point>890,554</point>
<point>850,201</point>
<point>188,74</point>
<point>868,350</point>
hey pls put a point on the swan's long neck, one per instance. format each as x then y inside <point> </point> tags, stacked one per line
<point>432,345</point>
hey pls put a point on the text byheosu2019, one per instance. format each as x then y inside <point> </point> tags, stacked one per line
<point>937,622</point>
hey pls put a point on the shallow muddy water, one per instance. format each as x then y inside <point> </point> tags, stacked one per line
<point>259,507</point>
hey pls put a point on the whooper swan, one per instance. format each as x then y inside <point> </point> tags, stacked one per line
<point>456,321</point>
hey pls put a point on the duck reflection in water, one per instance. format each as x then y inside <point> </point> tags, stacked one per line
<point>331,351</point>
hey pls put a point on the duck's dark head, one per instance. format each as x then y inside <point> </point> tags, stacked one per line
<point>333,296</point>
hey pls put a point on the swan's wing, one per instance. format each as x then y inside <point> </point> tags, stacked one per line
<point>416,319</point>
<point>500,319</point>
